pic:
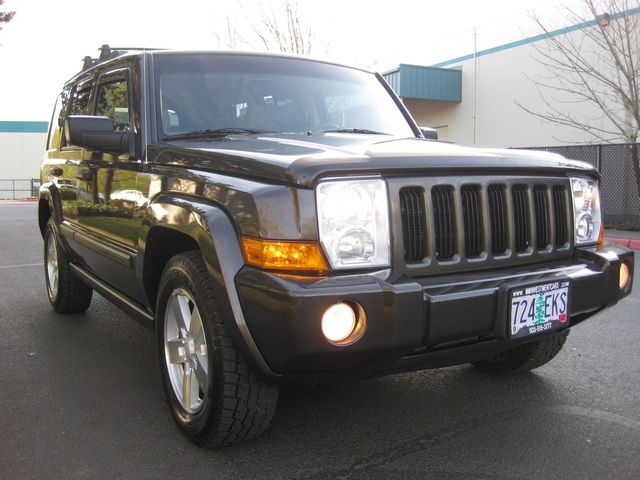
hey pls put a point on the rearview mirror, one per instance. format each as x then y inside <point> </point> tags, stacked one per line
<point>430,133</point>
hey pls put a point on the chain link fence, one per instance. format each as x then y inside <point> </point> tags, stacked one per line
<point>18,189</point>
<point>619,166</point>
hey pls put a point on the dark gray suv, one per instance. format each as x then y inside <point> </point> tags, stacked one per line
<point>275,219</point>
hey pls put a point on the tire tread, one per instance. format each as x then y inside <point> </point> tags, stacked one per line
<point>526,357</point>
<point>74,296</point>
<point>246,404</point>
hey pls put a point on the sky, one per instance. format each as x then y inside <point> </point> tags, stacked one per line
<point>46,41</point>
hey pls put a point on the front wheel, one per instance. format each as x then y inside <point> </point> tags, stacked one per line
<point>215,395</point>
<point>526,357</point>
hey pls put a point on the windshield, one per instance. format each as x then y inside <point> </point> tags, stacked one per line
<point>200,94</point>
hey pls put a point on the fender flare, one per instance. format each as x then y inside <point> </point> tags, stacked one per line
<point>50,195</point>
<point>217,238</point>
<point>50,207</point>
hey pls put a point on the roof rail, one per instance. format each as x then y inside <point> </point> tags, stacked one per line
<point>107,52</point>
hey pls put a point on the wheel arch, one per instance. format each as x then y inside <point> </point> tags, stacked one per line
<point>50,210</point>
<point>174,224</point>
<point>49,205</point>
<point>44,214</point>
<point>163,242</point>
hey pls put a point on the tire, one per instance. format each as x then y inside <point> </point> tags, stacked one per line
<point>66,293</point>
<point>215,395</point>
<point>526,357</point>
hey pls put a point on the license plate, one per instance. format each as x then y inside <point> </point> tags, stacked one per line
<point>538,308</point>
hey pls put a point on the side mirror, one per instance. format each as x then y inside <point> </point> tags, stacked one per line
<point>430,133</point>
<point>96,133</point>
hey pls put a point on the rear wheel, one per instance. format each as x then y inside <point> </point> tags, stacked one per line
<point>215,395</point>
<point>526,357</point>
<point>66,293</point>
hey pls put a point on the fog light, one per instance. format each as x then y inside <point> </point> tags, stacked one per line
<point>625,277</point>
<point>343,323</point>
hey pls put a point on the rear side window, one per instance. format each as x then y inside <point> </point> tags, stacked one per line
<point>73,101</point>
<point>56,135</point>
<point>80,103</point>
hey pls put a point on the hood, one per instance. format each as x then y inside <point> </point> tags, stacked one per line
<point>302,160</point>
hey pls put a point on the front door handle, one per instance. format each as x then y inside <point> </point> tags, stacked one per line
<point>86,175</point>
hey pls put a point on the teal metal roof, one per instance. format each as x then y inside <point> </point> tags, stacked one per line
<point>23,127</point>
<point>426,83</point>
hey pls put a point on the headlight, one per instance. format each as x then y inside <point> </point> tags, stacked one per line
<point>586,210</point>
<point>353,220</point>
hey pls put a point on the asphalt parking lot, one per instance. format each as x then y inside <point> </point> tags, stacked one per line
<point>81,398</point>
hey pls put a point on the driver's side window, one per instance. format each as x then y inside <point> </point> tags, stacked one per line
<point>113,102</point>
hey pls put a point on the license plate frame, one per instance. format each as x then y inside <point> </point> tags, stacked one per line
<point>538,307</point>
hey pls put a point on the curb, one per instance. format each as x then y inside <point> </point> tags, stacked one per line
<point>625,242</point>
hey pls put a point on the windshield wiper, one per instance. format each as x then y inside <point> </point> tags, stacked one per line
<point>363,131</point>
<point>217,133</point>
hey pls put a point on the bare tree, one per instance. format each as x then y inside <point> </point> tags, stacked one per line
<point>5,17</point>
<point>600,67</point>
<point>274,28</point>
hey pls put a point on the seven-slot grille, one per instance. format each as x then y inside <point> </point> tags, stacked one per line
<point>499,218</point>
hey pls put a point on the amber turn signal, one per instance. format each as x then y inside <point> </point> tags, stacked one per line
<point>601,236</point>
<point>282,255</point>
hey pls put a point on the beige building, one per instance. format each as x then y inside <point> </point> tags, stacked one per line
<point>477,99</point>
<point>22,146</point>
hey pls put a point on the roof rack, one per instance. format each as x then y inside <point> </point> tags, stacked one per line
<point>107,52</point>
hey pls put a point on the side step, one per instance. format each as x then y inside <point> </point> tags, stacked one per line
<point>131,308</point>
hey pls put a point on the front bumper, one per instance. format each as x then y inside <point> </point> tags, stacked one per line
<point>412,323</point>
